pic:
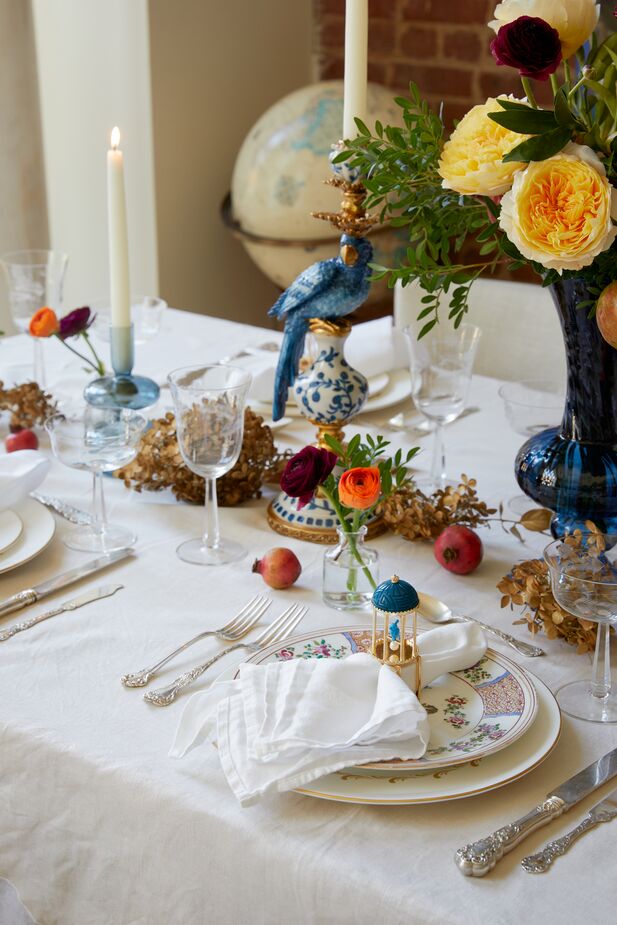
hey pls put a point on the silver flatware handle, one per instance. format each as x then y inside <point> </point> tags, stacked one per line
<point>141,678</point>
<point>20,627</point>
<point>540,862</point>
<point>166,695</point>
<point>18,601</point>
<point>523,648</point>
<point>479,857</point>
<point>70,513</point>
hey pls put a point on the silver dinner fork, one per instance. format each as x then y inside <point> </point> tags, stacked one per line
<point>241,624</point>
<point>278,630</point>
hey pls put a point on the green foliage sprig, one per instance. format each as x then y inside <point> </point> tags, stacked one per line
<point>393,470</point>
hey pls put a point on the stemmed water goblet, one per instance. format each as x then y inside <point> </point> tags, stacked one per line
<point>146,314</point>
<point>531,406</point>
<point>34,278</point>
<point>584,582</point>
<point>97,440</point>
<point>209,404</point>
<point>441,365</point>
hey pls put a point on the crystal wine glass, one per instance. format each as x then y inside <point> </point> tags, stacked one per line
<point>531,406</point>
<point>98,440</point>
<point>441,365</point>
<point>146,314</point>
<point>35,278</point>
<point>209,404</point>
<point>584,582</point>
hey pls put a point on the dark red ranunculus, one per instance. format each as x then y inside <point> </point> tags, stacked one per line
<point>75,322</point>
<point>529,44</point>
<point>306,471</point>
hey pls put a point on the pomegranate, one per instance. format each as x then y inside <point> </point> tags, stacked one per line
<point>22,439</point>
<point>606,314</point>
<point>459,550</point>
<point>279,567</point>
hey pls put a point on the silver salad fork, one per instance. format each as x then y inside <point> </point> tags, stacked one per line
<point>242,623</point>
<point>278,630</point>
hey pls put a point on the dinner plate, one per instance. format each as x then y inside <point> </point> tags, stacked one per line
<point>10,529</point>
<point>359,785</point>
<point>38,531</point>
<point>396,390</point>
<point>472,713</point>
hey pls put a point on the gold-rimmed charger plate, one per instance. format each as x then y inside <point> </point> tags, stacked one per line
<point>38,531</point>
<point>472,713</point>
<point>394,785</point>
<point>357,785</point>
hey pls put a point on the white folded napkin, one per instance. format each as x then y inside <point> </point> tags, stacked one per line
<point>20,473</point>
<point>286,723</point>
<point>376,347</point>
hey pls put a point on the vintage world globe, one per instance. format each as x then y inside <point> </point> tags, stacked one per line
<point>278,181</point>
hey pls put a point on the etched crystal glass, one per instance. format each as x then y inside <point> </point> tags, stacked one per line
<point>35,278</point>
<point>209,403</point>
<point>97,440</point>
<point>584,583</point>
<point>441,365</point>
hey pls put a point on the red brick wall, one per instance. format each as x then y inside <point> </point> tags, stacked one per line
<point>442,45</point>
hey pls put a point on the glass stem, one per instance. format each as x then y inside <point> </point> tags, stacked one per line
<point>99,514</point>
<point>211,535</point>
<point>438,466</point>
<point>39,362</point>
<point>601,677</point>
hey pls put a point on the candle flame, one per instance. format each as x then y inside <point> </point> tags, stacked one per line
<point>115,138</point>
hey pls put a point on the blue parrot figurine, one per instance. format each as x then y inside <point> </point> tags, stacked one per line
<point>328,289</point>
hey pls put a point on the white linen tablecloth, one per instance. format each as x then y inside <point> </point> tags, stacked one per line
<point>98,826</point>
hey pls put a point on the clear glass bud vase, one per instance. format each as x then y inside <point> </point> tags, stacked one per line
<point>350,572</point>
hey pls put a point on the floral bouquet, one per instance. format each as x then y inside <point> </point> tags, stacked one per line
<point>45,323</point>
<point>529,184</point>
<point>355,479</point>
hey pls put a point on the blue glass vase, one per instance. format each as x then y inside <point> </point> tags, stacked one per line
<point>572,469</point>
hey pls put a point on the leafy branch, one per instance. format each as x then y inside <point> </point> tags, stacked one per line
<point>400,167</point>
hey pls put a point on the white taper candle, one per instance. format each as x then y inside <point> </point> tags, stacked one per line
<point>118,236</point>
<point>356,42</point>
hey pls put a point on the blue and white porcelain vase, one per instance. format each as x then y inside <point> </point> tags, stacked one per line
<point>328,394</point>
<point>330,391</point>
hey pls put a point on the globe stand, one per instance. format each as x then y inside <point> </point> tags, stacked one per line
<point>331,392</point>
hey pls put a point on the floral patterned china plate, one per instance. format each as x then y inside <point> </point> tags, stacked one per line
<point>388,788</point>
<point>472,713</point>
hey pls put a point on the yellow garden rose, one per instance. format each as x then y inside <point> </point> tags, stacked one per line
<point>471,160</point>
<point>558,211</point>
<point>574,20</point>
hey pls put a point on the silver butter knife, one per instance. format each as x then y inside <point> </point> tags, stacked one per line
<point>476,859</point>
<point>88,598</point>
<point>31,595</point>
<point>70,513</point>
<point>603,811</point>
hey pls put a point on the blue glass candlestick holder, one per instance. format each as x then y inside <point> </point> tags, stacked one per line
<point>123,389</point>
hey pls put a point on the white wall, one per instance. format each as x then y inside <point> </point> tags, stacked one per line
<point>23,216</point>
<point>217,65</point>
<point>94,72</point>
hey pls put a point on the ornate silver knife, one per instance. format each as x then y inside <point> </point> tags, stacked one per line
<point>477,858</point>
<point>96,595</point>
<point>70,513</point>
<point>603,811</point>
<point>31,595</point>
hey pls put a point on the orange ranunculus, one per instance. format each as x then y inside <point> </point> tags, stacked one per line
<point>360,488</point>
<point>44,323</point>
